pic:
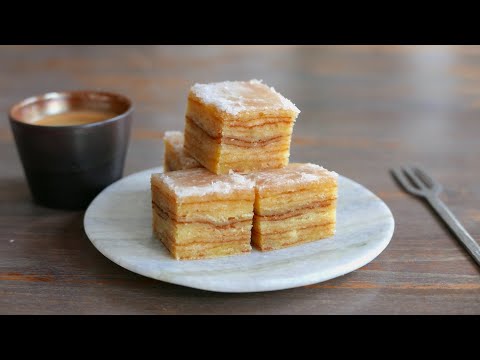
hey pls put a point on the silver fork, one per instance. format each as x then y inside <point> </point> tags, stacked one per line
<point>417,182</point>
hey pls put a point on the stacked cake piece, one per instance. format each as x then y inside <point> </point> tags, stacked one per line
<point>293,205</point>
<point>239,126</point>
<point>227,181</point>
<point>175,158</point>
<point>197,214</point>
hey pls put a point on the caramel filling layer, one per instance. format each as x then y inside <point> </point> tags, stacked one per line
<point>166,238</point>
<point>296,212</point>
<point>225,225</point>
<point>207,245</point>
<point>237,141</point>
<point>264,119</point>
<point>297,229</point>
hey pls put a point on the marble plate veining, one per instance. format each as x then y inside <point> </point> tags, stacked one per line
<point>118,223</point>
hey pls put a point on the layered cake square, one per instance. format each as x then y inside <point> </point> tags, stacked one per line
<point>197,214</point>
<point>175,158</point>
<point>242,126</point>
<point>293,205</point>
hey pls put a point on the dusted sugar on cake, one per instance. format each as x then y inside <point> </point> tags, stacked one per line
<point>175,158</point>
<point>293,205</point>
<point>197,214</point>
<point>242,126</point>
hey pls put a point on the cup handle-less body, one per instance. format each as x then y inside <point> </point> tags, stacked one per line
<point>67,166</point>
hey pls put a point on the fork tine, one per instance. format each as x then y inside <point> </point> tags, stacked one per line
<point>401,178</point>
<point>435,185</point>
<point>414,178</point>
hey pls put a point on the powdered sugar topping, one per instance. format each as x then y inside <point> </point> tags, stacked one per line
<point>293,174</point>
<point>200,182</point>
<point>172,134</point>
<point>175,138</point>
<point>235,97</point>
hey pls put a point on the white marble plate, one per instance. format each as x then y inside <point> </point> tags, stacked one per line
<point>118,223</point>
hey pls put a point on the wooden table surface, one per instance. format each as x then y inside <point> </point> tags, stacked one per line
<point>364,110</point>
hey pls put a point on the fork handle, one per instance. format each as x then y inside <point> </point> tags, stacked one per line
<point>462,234</point>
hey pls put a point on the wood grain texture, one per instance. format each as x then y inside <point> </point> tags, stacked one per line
<point>365,109</point>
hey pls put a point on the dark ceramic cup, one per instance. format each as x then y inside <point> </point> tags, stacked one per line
<point>67,166</point>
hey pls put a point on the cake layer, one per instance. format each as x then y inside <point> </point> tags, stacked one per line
<point>237,151</point>
<point>278,140</point>
<point>259,128</point>
<point>273,224</point>
<point>207,251</point>
<point>197,240</point>
<point>314,196</point>
<point>222,155</point>
<point>293,237</point>
<point>205,149</point>
<point>201,232</point>
<point>252,166</point>
<point>227,149</point>
<point>211,123</point>
<point>253,128</point>
<point>175,158</point>
<point>218,212</point>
